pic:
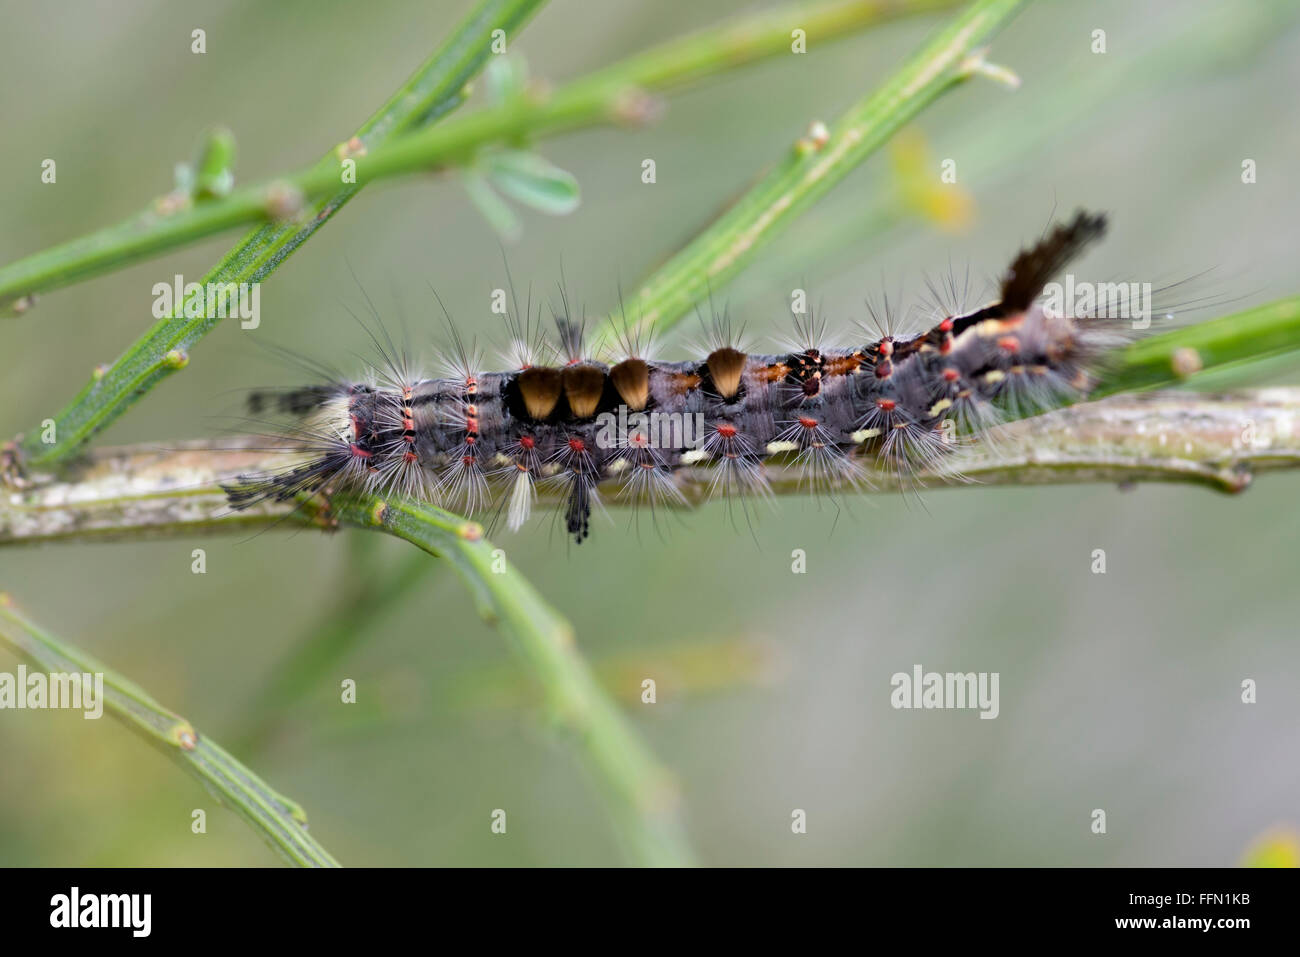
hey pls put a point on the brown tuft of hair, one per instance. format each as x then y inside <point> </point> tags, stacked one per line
<point>540,387</point>
<point>584,385</point>
<point>725,368</point>
<point>631,378</point>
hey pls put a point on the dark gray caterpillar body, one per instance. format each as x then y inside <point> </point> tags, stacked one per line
<point>474,437</point>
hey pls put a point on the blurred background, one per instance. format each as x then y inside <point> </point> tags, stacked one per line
<point>1118,691</point>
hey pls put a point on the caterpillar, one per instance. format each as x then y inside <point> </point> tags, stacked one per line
<point>479,440</point>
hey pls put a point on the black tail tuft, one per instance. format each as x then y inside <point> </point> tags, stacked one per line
<point>1035,266</point>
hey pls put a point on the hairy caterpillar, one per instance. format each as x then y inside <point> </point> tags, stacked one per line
<point>477,440</point>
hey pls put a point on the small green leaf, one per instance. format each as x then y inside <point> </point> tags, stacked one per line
<point>213,177</point>
<point>533,181</point>
<point>494,209</point>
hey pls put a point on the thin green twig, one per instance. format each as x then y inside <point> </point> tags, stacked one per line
<point>1253,334</point>
<point>642,795</point>
<point>815,165</point>
<point>279,821</point>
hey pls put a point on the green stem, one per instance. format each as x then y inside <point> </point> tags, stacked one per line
<point>642,795</point>
<point>813,167</point>
<point>433,90</point>
<point>282,823</point>
<point>1253,334</point>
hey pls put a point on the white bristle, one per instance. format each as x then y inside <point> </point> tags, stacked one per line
<point>521,501</point>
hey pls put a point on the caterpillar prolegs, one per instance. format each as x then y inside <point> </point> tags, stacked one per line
<point>478,440</point>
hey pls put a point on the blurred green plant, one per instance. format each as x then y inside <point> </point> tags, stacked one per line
<point>1278,847</point>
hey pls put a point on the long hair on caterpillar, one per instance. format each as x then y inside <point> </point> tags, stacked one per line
<point>586,419</point>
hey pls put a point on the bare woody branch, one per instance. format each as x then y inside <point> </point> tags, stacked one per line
<point>1219,441</point>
